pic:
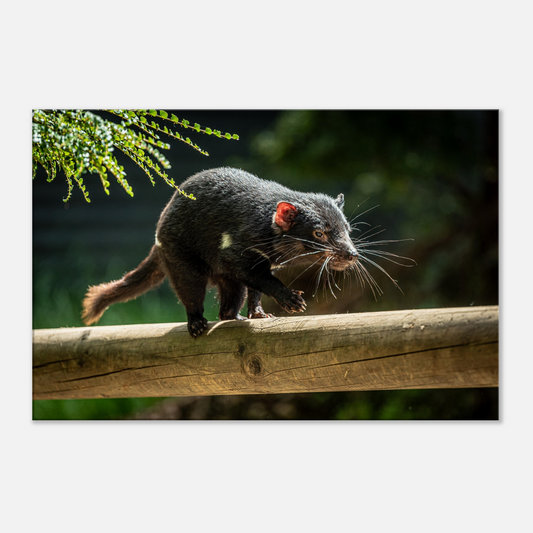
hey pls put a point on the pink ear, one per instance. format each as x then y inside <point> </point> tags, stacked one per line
<point>285,215</point>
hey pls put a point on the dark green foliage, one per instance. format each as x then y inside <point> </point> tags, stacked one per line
<point>78,141</point>
<point>455,404</point>
<point>90,409</point>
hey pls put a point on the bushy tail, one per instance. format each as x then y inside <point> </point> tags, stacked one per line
<point>146,276</point>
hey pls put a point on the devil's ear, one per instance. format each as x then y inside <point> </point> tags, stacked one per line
<point>340,200</point>
<point>285,215</point>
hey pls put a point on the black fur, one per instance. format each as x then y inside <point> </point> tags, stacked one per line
<point>230,236</point>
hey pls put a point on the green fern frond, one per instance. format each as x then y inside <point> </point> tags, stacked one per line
<point>77,142</point>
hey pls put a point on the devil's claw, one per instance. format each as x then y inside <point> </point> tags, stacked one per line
<point>259,312</point>
<point>196,326</point>
<point>293,303</point>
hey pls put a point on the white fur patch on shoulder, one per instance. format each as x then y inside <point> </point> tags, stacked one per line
<point>227,241</point>
<point>157,243</point>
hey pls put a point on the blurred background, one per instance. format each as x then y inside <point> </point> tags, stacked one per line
<point>428,179</point>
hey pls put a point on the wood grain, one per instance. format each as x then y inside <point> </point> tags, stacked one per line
<point>412,349</point>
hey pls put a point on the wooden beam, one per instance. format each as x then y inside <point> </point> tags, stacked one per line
<point>413,349</point>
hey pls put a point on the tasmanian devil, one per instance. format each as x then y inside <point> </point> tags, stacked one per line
<point>238,230</point>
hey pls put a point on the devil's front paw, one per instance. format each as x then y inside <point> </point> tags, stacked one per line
<point>196,325</point>
<point>258,312</point>
<point>293,302</point>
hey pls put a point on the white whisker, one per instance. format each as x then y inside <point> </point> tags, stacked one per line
<point>382,270</point>
<point>387,256</point>
<point>304,271</point>
<point>297,257</point>
<point>317,245</point>
<point>364,212</point>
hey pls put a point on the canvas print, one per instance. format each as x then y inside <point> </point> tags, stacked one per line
<point>265,264</point>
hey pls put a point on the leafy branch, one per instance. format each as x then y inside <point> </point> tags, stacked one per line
<point>77,142</point>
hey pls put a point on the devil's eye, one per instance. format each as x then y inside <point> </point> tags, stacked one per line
<point>318,234</point>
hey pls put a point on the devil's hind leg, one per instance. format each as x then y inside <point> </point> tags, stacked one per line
<point>189,281</point>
